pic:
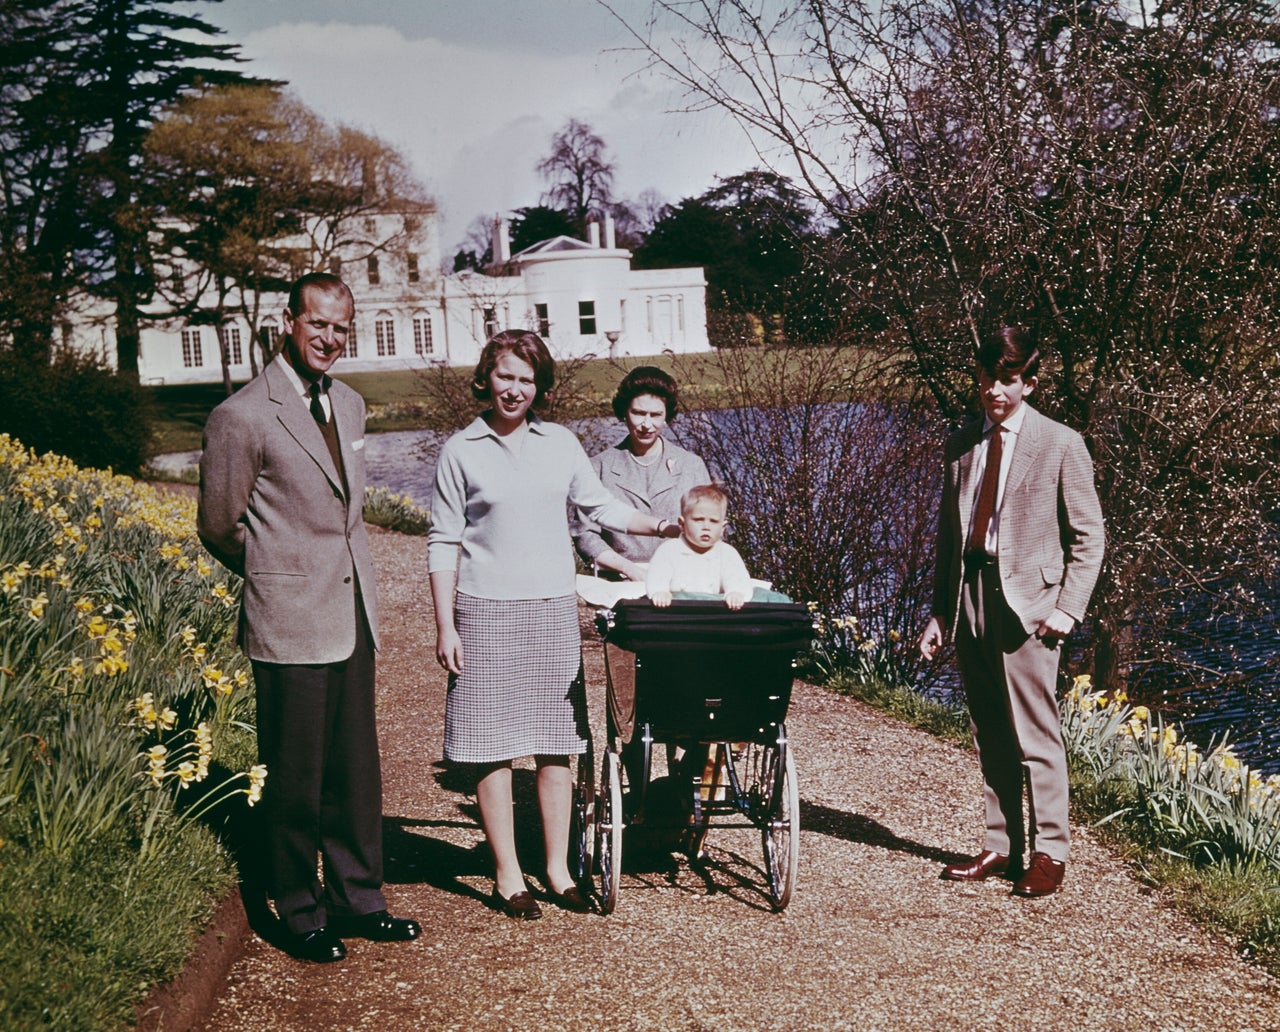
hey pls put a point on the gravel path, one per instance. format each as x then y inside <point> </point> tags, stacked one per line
<point>872,940</point>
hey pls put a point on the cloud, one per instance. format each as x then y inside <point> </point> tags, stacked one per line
<point>475,120</point>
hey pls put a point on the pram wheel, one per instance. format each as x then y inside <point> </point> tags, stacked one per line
<point>582,818</point>
<point>767,774</point>
<point>609,825</point>
<point>782,833</point>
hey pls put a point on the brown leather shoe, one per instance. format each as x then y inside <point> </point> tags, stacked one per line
<point>977,868</point>
<point>522,906</point>
<point>1043,877</point>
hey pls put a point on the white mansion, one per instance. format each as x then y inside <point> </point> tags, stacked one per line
<point>582,297</point>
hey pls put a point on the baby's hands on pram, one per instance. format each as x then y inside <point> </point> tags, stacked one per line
<point>735,599</point>
<point>661,599</point>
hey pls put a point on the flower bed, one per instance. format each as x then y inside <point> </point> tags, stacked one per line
<point>126,739</point>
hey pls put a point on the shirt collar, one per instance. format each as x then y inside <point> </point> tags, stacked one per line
<point>479,428</point>
<point>1011,425</point>
<point>299,384</point>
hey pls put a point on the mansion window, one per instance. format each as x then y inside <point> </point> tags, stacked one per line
<point>490,322</point>
<point>192,357</point>
<point>375,277</point>
<point>587,318</point>
<point>384,331</point>
<point>335,265</point>
<point>411,261</point>
<point>229,338</point>
<point>269,335</point>
<point>350,350</point>
<point>422,342</point>
<point>544,320</point>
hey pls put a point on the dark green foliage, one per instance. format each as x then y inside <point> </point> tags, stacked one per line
<point>749,232</point>
<point>533,225</point>
<point>77,408</point>
<point>80,83</point>
<point>119,927</point>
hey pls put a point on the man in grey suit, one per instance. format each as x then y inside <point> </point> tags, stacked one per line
<point>282,481</point>
<point>1020,542</point>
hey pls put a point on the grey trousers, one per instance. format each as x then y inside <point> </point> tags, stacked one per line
<point>1010,679</point>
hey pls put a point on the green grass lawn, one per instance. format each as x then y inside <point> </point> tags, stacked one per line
<point>414,399</point>
<point>403,399</point>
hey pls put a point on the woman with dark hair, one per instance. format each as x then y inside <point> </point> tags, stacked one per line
<point>502,579</point>
<point>644,469</point>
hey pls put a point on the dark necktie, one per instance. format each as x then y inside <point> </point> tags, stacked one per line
<point>327,429</point>
<point>317,409</point>
<point>987,493</point>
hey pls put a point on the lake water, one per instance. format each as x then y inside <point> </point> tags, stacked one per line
<point>1244,707</point>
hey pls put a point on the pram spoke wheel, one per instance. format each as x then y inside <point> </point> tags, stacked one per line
<point>582,819</point>
<point>609,825</point>
<point>780,812</point>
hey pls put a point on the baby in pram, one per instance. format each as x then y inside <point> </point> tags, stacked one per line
<point>699,560</point>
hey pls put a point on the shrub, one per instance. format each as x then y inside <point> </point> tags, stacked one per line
<point>385,508</point>
<point>833,486</point>
<point>77,408</point>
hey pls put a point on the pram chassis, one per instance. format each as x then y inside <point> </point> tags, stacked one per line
<point>717,684</point>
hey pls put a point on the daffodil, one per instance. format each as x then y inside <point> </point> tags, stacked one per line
<point>155,764</point>
<point>257,777</point>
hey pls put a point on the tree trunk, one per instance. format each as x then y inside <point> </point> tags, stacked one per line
<point>127,334</point>
<point>1113,646</point>
<point>125,288</point>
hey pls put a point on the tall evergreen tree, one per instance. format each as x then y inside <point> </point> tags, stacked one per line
<point>81,82</point>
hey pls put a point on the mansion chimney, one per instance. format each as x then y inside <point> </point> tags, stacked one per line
<point>501,241</point>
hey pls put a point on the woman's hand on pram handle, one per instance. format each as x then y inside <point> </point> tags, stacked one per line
<point>666,529</point>
<point>661,599</point>
<point>735,599</point>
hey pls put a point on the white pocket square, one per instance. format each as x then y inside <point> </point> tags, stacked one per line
<point>357,445</point>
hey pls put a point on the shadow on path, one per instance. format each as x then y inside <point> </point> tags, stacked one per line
<point>854,827</point>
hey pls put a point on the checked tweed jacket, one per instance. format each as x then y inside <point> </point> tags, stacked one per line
<point>275,510</point>
<point>1051,527</point>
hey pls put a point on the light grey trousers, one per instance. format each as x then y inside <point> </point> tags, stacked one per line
<point>1010,679</point>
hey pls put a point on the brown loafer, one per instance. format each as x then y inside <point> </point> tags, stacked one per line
<point>522,906</point>
<point>1043,877</point>
<point>571,899</point>
<point>977,868</point>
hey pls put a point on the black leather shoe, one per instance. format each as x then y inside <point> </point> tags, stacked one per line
<point>320,947</point>
<point>378,927</point>
<point>522,906</point>
<point>571,899</point>
<point>978,868</point>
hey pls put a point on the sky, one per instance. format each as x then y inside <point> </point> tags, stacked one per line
<point>471,91</point>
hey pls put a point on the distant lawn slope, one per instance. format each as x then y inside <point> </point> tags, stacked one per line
<point>397,398</point>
